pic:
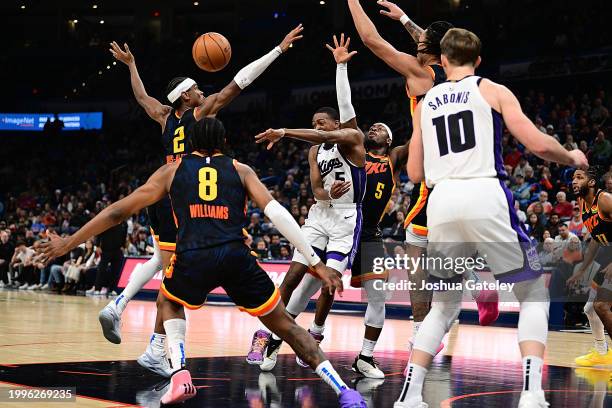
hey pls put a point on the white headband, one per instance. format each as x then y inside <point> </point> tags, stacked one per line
<point>387,129</point>
<point>180,88</point>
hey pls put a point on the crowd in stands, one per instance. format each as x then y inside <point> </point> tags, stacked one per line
<point>69,179</point>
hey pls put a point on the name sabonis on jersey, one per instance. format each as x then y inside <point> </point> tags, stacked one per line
<point>219,212</point>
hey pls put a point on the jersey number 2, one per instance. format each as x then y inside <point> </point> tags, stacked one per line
<point>178,141</point>
<point>456,122</point>
<point>208,183</point>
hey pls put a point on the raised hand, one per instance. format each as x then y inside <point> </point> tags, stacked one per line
<point>120,55</point>
<point>340,49</point>
<point>289,39</point>
<point>393,11</point>
<point>271,136</point>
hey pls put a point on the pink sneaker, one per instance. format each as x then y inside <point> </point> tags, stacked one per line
<point>440,348</point>
<point>181,388</point>
<point>488,307</point>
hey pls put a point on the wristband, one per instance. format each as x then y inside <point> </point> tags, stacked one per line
<point>404,19</point>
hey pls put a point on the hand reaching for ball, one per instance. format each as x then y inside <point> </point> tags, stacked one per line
<point>293,35</point>
<point>120,55</point>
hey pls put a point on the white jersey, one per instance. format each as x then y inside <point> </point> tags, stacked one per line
<point>333,166</point>
<point>461,133</point>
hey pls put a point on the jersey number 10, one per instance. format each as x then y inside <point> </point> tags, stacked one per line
<point>456,122</point>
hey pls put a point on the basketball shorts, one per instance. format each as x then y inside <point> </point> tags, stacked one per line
<point>369,249</point>
<point>193,274</point>
<point>416,220</point>
<point>336,230</point>
<point>163,227</point>
<point>474,218</point>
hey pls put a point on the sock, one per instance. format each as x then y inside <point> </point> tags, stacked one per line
<point>142,274</point>
<point>532,373</point>
<point>367,350</point>
<point>156,345</point>
<point>413,384</point>
<point>330,376</point>
<point>175,330</point>
<point>275,337</point>
<point>415,330</point>
<point>314,328</point>
<point>601,346</point>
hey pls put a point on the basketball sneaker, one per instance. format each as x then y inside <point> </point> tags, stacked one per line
<point>533,399</point>
<point>271,354</point>
<point>350,398</point>
<point>158,365</point>
<point>258,346</point>
<point>181,388</point>
<point>367,366</point>
<point>418,404</point>
<point>594,375</point>
<point>488,307</point>
<point>593,358</point>
<point>318,338</point>
<point>110,320</point>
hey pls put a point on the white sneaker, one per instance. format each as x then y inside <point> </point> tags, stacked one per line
<point>103,292</point>
<point>158,365</point>
<point>419,404</point>
<point>367,367</point>
<point>91,291</point>
<point>533,399</point>
<point>31,287</point>
<point>44,287</point>
<point>110,321</point>
<point>113,293</point>
<point>24,286</point>
<point>2,284</point>
<point>271,354</point>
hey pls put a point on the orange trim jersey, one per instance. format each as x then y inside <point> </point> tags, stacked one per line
<point>379,187</point>
<point>598,226</point>
<point>417,211</point>
<point>176,135</point>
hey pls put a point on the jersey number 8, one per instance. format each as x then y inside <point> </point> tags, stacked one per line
<point>208,183</point>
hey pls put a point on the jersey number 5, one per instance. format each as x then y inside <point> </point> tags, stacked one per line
<point>208,183</point>
<point>178,141</point>
<point>460,131</point>
<point>379,190</point>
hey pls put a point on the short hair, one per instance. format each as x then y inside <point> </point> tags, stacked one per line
<point>460,47</point>
<point>433,36</point>
<point>329,111</point>
<point>208,135</point>
<point>594,173</point>
<point>174,82</point>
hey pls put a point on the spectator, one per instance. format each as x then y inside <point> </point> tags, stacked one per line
<point>275,246</point>
<point>534,228</point>
<point>6,253</point>
<point>602,149</point>
<point>564,235</point>
<point>550,253</point>
<point>254,227</point>
<point>520,213</point>
<point>519,170</point>
<point>563,208</point>
<point>608,182</point>
<point>285,254</point>
<point>111,242</point>
<point>543,201</point>
<point>21,268</point>
<point>576,225</point>
<point>261,250</point>
<point>553,225</point>
<point>72,269</point>
<point>522,190</point>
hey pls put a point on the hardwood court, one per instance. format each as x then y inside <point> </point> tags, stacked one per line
<point>53,340</point>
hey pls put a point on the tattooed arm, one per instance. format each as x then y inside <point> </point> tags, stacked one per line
<point>396,13</point>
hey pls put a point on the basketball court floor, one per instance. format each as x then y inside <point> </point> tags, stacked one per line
<point>49,340</point>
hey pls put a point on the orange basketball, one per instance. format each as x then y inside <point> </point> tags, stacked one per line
<point>211,52</point>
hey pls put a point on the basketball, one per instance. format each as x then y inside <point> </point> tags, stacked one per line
<point>211,52</point>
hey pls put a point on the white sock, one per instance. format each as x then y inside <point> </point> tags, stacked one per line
<point>175,330</point>
<point>330,376</point>
<point>415,330</point>
<point>413,384</point>
<point>367,349</point>
<point>601,346</point>
<point>275,337</point>
<point>314,328</point>
<point>156,345</point>
<point>532,373</point>
<point>142,274</point>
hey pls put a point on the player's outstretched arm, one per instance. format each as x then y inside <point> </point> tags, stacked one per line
<point>342,56</point>
<point>154,108</point>
<point>337,189</point>
<point>347,136</point>
<point>399,159</point>
<point>149,193</point>
<point>215,102</point>
<point>286,225</point>
<point>403,63</point>
<point>394,12</point>
<point>415,168</point>
<point>519,125</point>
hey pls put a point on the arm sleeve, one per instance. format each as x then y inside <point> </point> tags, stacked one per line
<point>343,92</point>
<point>248,74</point>
<point>286,225</point>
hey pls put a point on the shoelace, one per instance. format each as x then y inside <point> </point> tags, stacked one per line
<point>259,343</point>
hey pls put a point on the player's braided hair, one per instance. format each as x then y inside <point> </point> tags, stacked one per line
<point>433,37</point>
<point>594,173</point>
<point>208,136</point>
<point>174,82</point>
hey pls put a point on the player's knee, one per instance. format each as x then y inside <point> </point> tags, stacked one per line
<point>588,308</point>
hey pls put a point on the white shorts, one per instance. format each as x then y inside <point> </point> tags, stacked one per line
<point>333,232</point>
<point>415,237</point>
<point>477,216</point>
